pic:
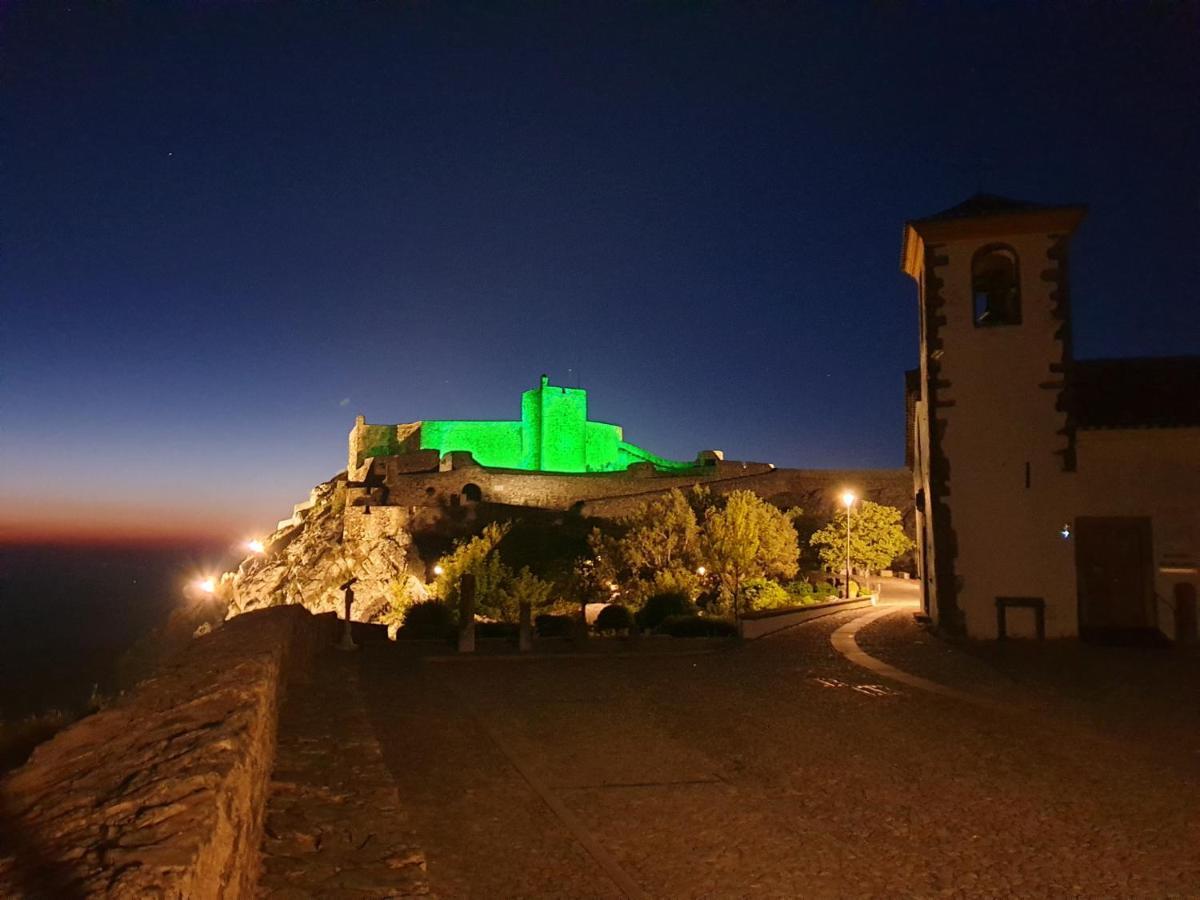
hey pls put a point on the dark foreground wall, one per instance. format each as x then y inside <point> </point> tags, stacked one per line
<point>162,794</point>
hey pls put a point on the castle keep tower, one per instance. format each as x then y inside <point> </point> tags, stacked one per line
<point>993,445</point>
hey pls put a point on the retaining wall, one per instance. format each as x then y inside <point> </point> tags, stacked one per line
<point>756,625</point>
<point>162,794</point>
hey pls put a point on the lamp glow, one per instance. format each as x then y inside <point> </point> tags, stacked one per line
<point>208,585</point>
<point>848,499</point>
<point>254,545</point>
<point>701,571</point>
<point>438,570</point>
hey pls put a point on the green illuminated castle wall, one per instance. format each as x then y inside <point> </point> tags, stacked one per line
<point>553,435</point>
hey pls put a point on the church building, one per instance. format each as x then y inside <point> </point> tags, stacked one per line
<point>1055,497</point>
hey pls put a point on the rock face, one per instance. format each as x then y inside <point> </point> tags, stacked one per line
<point>365,529</point>
<point>325,543</point>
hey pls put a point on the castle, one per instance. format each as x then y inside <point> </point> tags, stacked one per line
<point>555,458</point>
<point>552,435</point>
<point>1054,496</point>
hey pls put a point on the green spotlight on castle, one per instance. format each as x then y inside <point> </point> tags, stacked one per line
<point>553,435</point>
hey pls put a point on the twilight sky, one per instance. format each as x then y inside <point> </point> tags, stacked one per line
<point>228,227</point>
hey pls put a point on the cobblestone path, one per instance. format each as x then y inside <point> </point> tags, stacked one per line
<point>777,769</point>
<point>334,825</point>
<point>1147,698</point>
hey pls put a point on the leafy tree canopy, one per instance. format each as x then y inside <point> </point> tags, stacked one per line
<point>745,538</point>
<point>498,590</point>
<point>657,547</point>
<point>876,538</point>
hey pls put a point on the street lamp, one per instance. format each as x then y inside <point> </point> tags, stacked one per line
<point>438,570</point>
<point>701,571</point>
<point>207,585</point>
<point>254,545</point>
<point>848,499</point>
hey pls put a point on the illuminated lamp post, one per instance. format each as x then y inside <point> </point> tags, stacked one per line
<point>255,546</point>
<point>848,499</point>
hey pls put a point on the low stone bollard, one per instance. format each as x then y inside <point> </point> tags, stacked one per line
<point>579,627</point>
<point>466,614</point>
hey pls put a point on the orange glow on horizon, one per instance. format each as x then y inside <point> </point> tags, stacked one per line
<point>97,536</point>
<point>25,524</point>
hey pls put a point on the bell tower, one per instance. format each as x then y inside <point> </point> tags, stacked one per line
<point>993,444</point>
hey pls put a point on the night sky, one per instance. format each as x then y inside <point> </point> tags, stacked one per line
<point>227,228</point>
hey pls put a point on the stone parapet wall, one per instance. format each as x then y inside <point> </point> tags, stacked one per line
<point>815,491</point>
<point>162,794</point>
<point>614,494</point>
<point>756,625</point>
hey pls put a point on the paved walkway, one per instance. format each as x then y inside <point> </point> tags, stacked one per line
<point>335,827</point>
<point>777,769</point>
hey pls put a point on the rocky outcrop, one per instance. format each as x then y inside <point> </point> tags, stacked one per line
<point>161,795</point>
<point>324,544</point>
<point>366,530</point>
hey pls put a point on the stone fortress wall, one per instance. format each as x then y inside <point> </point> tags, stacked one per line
<point>162,794</point>
<point>458,480</point>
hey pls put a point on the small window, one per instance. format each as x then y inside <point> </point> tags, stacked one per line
<point>995,287</point>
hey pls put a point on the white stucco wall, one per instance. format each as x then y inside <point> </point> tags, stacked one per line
<point>1002,420</point>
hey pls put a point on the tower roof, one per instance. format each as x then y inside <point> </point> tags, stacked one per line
<point>984,205</point>
<point>985,215</point>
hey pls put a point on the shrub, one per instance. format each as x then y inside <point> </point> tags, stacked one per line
<point>428,619</point>
<point>823,590</point>
<point>659,606</point>
<point>553,625</point>
<point>764,593</point>
<point>798,590</point>
<point>697,626</point>
<point>614,617</point>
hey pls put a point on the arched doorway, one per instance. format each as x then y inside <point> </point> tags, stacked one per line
<point>472,493</point>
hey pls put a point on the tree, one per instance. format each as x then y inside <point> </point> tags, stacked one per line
<point>659,545</point>
<point>876,538</point>
<point>662,535</point>
<point>522,587</point>
<point>476,556</point>
<point>744,538</point>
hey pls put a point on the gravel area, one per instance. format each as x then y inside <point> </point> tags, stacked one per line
<point>777,770</point>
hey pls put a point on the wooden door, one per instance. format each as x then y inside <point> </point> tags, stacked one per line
<point>1115,574</point>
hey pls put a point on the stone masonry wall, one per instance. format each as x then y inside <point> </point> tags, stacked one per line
<point>161,795</point>
<point>816,491</point>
